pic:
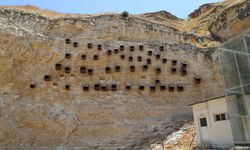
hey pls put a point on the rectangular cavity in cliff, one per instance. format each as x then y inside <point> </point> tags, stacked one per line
<point>157,81</point>
<point>152,88</point>
<point>197,80</point>
<point>132,48</point>
<point>108,69</point>
<point>173,70</point>
<point>132,68</point>
<point>89,45</point>
<point>47,78</point>
<point>122,57</point>
<point>184,65</point>
<point>82,69</point>
<point>141,87</point>
<point>174,62</point>
<point>161,48</point>
<point>171,88</point>
<point>97,86</point>
<point>67,69</point>
<point>67,41</point>
<point>128,86</point>
<point>109,52</point>
<point>67,55</point>
<point>99,47</point>
<point>130,58</point>
<point>85,87</point>
<point>116,51</point>
<point>33,85</point>
<point>148,61</point>
<point>164,60</point>
<point>157,56</point>
<point>163,87</point>
<point>84,57</point>
<point>95,57</point>
<point>141,48</point>
<point>117,68</point>
<point>139,58</point>
<point>75,44</point>
<point>158,70</point>
<point>183,72</point>
<point>180,88</point>
<point>67,87</point>
<point>90,71</point>
<point>114,87</point>
<point>58,66</point>
<point>145,67</point>
<point>150,53</point>
<point>104,87</point>
<point>122,48</point>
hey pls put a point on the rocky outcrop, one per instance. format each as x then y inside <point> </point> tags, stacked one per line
<point>51,63</point>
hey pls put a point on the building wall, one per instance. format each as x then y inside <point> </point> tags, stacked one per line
<point>217,133</point>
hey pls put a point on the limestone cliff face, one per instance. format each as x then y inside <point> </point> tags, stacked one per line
<point>102,81</point>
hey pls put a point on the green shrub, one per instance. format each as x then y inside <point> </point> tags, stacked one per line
<point>125,14</point>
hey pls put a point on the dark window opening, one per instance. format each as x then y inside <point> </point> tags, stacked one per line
<point>117,68</point>
<point>99,47</point>
<point>84,57</point>
<point>75,44</point>
<point>183,65</point>
<point>130,58</point>
<point>152,88</point>
<point>150,53</point>
<point>89,45</point>
<point>58,66</point>
<point>223,116</point>
<point>109,52</point>
<point>161,48</point>
<point>164,60</point>
<point>173,70</point>
<point>171,88</point>
<point>157,81</point>
<point>180,88</point>
<point>67,87</point>
<point>90,71</point>
<point>197,80</point>
<point>47,77</point>
<point>141,87</point>
<point>141,48</point>
<point>95,57</point>
<point>139,58</point>
<point>183,72</point>
<point>128,87</point>
<point>116,51</point>
<point>97,87</point>
<point>148,61</point>
<point>32,86</point>
<point>158,70</point>
<point>113,87</point>
<point>67,55</point>
<point>83,69</point>
<point>174,62</point>
<point>203,122</point>
<point>220,117</point>
<point>67,41</point>
<point>163,87</point>
<point>108,69</point>
<point>67,69</point>
<point>157,56</point>
<point>145,67</point>
<point>104,87</point>
<point>122,48</point>
<point>132,48</point>
<point>122,56</point>
<point>132,68</point>
<point>85,87</point>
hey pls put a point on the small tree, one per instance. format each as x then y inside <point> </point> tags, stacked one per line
<point>125,14</point>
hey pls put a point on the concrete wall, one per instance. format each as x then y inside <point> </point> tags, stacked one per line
<point>217,133</point>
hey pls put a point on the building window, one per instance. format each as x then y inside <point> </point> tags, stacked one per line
<point>203,122</point>
<point>220,117</point>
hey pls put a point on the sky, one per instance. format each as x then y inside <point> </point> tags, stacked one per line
<point>179,8</point>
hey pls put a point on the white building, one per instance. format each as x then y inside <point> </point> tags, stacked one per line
<point>212,123</point>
